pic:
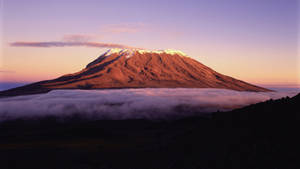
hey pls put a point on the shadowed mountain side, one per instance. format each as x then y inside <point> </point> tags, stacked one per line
<point>139,69</point>
<point>262,135</point>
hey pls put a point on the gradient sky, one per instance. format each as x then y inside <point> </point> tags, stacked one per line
<point>252,40</point>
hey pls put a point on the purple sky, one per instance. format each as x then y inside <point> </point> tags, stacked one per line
<point>254,40</point>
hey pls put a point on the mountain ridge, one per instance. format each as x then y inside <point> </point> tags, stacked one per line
<point>139,68</point>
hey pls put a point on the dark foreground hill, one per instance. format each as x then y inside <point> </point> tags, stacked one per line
<point>133,68</point>
<point>260,136</point>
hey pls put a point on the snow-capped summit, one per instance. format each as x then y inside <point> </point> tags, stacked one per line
<point>130,52</point>
<point>139,68</point>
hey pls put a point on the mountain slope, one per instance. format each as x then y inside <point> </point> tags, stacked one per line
<point>133,68</point>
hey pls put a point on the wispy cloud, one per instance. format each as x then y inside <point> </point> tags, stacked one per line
<point>7,71</point>
<point>78,38</point>
<point>139,27</point>
<point>124,28</point>
<point>68,44</point>
<point>89,40</point>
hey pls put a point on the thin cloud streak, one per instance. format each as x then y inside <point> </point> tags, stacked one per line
<point>78,38</point>
<point>124,28</point>
<point>7,71</point>
<point>68,44</point>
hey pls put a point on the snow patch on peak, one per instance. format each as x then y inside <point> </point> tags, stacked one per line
<point>129,52</point>
<point>168,51</point>
<point>115,50</point>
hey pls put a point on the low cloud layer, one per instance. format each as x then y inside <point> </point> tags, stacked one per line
<point>68,44</point>
<point>131,103</point>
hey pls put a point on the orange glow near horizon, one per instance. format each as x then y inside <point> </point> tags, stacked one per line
<point>36,64</point>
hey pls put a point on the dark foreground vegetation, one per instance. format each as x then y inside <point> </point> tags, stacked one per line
<point>260,136</point>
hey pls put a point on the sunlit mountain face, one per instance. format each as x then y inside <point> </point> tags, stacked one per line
<point>138,68</point>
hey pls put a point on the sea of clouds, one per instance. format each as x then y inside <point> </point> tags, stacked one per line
<point>148,103</point>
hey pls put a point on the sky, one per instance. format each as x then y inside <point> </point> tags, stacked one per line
<point>253,40</point>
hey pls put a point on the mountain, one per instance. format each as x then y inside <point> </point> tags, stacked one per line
<point>136,68</point>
